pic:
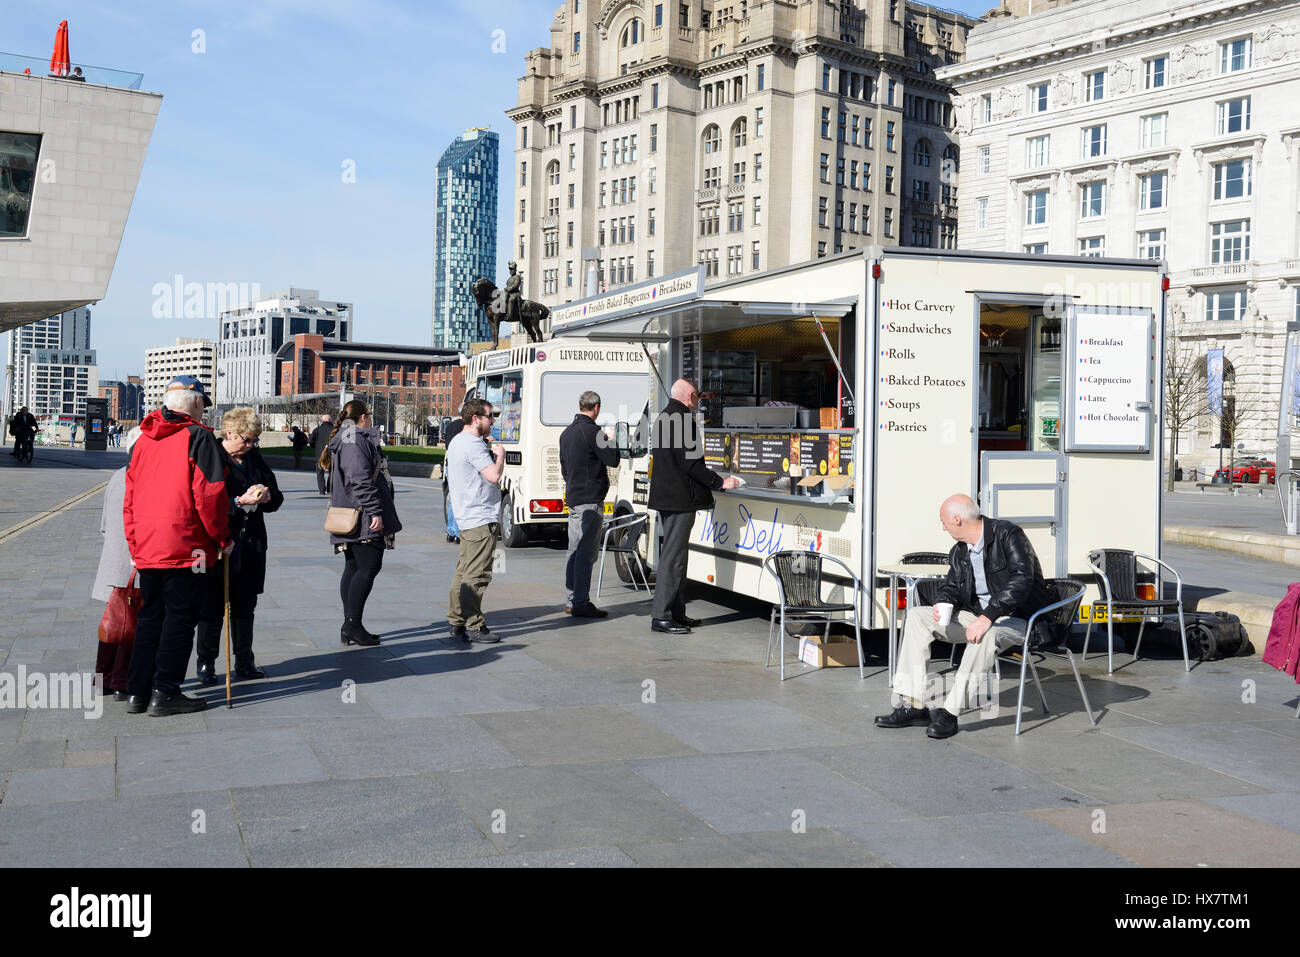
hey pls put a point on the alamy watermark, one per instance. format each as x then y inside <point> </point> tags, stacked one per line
<point>70,691</point>
<point>179,299</point>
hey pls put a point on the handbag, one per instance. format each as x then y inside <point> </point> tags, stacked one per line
<point>117,627</point>
<point>341,520</point>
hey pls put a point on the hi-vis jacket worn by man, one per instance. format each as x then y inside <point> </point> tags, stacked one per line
<point>175,507</point>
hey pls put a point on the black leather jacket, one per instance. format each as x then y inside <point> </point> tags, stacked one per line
<point>679,479</point>
<point>1015,580</point>
<point>584,460</point>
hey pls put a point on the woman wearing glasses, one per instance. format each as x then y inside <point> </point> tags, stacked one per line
<point>358,479</point>
<point>253,491</point>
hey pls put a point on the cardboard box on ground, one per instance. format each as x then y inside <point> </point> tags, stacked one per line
<point>837,651</point>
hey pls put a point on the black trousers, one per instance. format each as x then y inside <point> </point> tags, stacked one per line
<point>670,576</point>
<point>171,602</point>
<point>361,564</point>
<point>320,479</point>
<point>212,617</point>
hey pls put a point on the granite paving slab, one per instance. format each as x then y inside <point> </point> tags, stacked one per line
<point>373,822</point>
<point>580,735</point>
<point>459,693</point>
<point>1179,834</point>
<point>53,785</point>
<point>369,749</point>
<point>544,808</point>
<point>163,764</point>
<point>740,725</point>
<point>1243,751</point>
<point>578,857</point>
<point>818,847</point>
<point>1281,808</point>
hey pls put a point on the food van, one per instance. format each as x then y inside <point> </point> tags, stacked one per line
<point>853,394</point>
<point>535,390</point>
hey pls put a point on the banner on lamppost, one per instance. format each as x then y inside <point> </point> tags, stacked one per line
<point>1214,379</point>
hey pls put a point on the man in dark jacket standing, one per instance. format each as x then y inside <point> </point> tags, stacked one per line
<point>320,438</point>
<point>994,585</point>
<point>680,485</point>
<point>585,454</point>
<point>175,514</point>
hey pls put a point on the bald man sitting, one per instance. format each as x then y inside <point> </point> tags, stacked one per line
<point>994,584</point>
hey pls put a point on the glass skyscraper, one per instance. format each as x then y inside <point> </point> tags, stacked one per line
<point>465,238</point>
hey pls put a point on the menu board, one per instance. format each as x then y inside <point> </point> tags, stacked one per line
<point>762,453</point>
<point>814,451</point>
<point>1110,383</point>
<point>717,450</point>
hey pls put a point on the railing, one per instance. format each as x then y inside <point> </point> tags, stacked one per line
<point>1224,271</point>
<point>686,33</point>
<point>706,195</point>
<point>1291,265</point>
<point>35,66</point>
<point>735,189</point>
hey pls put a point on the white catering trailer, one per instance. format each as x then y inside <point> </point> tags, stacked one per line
<point>854,393</point>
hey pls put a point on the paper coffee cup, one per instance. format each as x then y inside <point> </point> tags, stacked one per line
<point>945,613</point>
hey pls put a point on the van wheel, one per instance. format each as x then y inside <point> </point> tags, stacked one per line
<point>627,564</point>
<point>512,535</point>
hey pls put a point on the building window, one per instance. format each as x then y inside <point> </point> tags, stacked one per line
<point>982,212</point>
<point>1094,141</point>
<point>1152,189</point>
<point>1035,207</point>
<point>889,135</point>
<point>1230,241</point>
<point>889,222</point>
<point>821,211</point>
<point>986,107</point>
<point>921,190</point>
<point>758,123</point>
<point>1151,244</point>
<point>1232,179</point>
<point>761,78</point>
<point>735,255</point>
<point>821,250</point>
<point>839,214</point>
<point>1038,98</point>
<point>577,42</point>
<point>1093,246</point>
<point>654,137</point>
<point>573,156</point>
<point>922,232</point>
<point>523,174</point>
<point>650,226</point>
<point>1092,198</point>
<point>521,248</point>
<point>853,174</point>
<point>1036,249</point>
<point>844,122</point>
<point>839,171</point>
<point>569,235</point>
<point>1094,86</point>
<point>553,173</point>
<point>1233,116</point>
<point>758,211</point>
<point>1155,130</point>
<point>1038,151</point>
<point>1235,55</point>
<point>921,153</point>
<point>738,174</point>
<point>825,167</point>
<point>1155,71</point>
<point>1226,305</point>
<point>984,159</point>
<point>755,256</point>
<point>758,167</point>
<point>523,210</point>
<point>713,177</point>
<point>712,140</point>
<point>889,180</point>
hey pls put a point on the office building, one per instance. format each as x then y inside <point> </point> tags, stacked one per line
<point>733,136</point>
<point>464,237</point>
<point>187,356</point>
<point>67,332</point>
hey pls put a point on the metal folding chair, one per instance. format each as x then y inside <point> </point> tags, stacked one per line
<point>798,577</point>
<point>626,529</point>
<point>1117,570</point>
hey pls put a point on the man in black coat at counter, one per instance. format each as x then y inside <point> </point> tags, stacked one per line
<point>680,485</point>
<point>585,456</point>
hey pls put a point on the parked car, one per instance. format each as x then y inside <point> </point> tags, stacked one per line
<point>1247,470</point>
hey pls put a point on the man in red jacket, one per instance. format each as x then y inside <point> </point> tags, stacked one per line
<point>177,525</point>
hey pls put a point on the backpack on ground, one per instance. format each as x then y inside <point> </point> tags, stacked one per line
<point>1211,635</point>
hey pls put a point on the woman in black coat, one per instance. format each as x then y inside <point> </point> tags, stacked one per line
<point>358,479</point>
<point>252,490</point>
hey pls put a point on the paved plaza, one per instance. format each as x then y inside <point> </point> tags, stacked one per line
<point>598,743</point>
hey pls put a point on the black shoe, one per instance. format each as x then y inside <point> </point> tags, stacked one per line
<point>207,672</point>
<point>249,672</point>
<point>668,627</point>
<point>944,724</point>
<point>587,611</point>
<point>453,539</point>
<point>458,633</point>
<point>903,717</point>
<point>483,636</point>
<point>120,696</point>
<point>686,621</point>
<point>161,705</point>
<point>137,703</point>
<point>353,634</point>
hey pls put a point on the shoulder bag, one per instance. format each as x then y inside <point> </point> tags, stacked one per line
<point>117,627</point>
<point>341,520</point>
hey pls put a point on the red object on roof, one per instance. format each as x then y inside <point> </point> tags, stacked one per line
<point>60,64</point>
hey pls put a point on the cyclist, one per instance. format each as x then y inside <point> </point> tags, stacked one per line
<point>23,428</point>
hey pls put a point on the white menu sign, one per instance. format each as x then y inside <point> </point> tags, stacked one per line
<point>1111,381</point>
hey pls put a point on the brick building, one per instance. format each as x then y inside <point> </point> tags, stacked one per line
<point>399,383</point>
<point>125,399</point>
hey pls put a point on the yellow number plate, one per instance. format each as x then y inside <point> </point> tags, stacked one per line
<point>609,508</point>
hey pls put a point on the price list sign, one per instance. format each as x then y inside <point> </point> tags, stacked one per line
<point>761,453</point>
<point>1111,381</point>
<point>717,451</point>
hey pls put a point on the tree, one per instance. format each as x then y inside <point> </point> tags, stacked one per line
<point>415,415</point>
<point>1185,393</point>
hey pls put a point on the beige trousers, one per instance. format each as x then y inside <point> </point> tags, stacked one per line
<point>915,687</point>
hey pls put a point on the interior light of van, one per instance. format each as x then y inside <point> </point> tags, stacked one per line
<point>551,506</point>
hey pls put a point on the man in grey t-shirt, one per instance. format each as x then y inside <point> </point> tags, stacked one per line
<point>472,476</point>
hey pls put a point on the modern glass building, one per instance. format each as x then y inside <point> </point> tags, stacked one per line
<point>465,243</point>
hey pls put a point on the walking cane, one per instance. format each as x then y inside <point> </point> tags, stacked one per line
<point>225,571</point>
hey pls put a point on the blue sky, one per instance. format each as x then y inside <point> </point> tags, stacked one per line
<point>244,176</point>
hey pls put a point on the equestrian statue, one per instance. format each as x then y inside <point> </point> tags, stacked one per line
<point>508,305</point>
